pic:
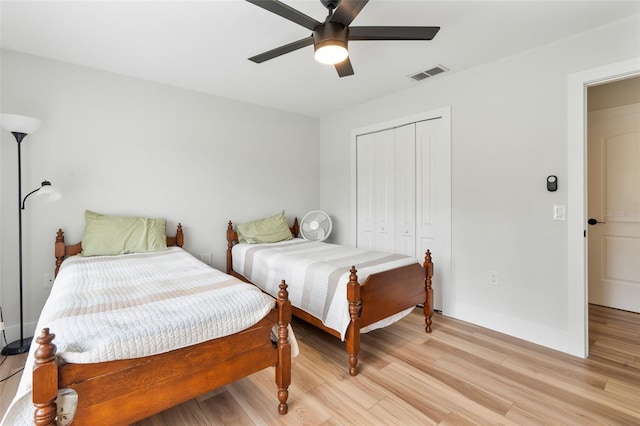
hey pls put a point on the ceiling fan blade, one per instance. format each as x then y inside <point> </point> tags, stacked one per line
<point>279,51</point>
<point>347,11</point>
<point>287,12</point>
<point>344,68</point>
<point>392,33</point>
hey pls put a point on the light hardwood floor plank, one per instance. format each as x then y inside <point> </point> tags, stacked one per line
<point>10,370</point>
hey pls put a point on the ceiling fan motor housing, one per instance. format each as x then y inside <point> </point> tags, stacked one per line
<point>330,4</point>
<point>330,33</point>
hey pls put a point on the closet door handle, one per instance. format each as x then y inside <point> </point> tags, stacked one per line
<point>593,221</point>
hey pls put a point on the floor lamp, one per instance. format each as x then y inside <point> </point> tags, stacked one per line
<point>20,126</point>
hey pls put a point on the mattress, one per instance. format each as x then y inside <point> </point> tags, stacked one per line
<point>317,274</point>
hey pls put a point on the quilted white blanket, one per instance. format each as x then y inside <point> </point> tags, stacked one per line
<point>117,307</point>
<point>317,274</point>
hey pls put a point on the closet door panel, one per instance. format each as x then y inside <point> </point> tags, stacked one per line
<point>425,140</point>
<point>366,220</point>
<point>405,190</point>
<point>375,191</point>
<point>385,195</point>
<point>430,207</point>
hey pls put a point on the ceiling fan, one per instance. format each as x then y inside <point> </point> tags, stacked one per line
<point>330,38</point>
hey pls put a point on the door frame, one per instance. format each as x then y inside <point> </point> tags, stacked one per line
<point>444,259</point>
<point>578,313</point>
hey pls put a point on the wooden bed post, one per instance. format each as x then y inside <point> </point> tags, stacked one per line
<point>179,236</point>
<point>231,235</point>
<point>59,250</point>
<point>428,303</point>
<point>353,332</point>
<point>283,369</point>
<point>45,380</point>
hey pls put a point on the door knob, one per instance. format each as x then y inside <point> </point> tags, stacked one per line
<point>593,221</point>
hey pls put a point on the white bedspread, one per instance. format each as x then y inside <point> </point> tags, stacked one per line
<point>317,274</point>
<point>118,307</point>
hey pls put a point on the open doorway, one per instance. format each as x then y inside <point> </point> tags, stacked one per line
<point>613,197</point>
<point>578,83</point>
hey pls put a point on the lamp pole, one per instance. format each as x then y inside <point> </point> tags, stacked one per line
<point>19,136</point>
<point>22,345</point>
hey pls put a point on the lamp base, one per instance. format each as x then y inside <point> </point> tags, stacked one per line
<point>18,347</point>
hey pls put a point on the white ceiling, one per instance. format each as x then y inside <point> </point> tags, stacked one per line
<point>204,45</point>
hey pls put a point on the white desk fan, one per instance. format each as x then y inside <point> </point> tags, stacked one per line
<point>316,226</point>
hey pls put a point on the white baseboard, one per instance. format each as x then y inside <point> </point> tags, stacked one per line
<point>525,330</point>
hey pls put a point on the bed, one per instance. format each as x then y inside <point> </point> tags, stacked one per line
<point>115,378</point>
<point>388,288</point>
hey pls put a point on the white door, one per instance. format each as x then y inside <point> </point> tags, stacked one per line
<point>433,201</point>
<point>386,175</point>
<point>614,202</point>
<point>375,191</point>
<point>405,189</point>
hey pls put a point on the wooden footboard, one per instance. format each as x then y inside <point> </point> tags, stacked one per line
<point>381,295</point>
<point>125,391</point>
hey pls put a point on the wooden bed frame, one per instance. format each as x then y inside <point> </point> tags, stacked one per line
<point>382,294</point>
<point>125,391</point>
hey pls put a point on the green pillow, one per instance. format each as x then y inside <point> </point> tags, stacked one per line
<point>109,235</point>
<point>268,230</point>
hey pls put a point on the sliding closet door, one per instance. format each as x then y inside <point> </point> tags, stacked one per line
<point>433,199</point>
<point>405,189</point>
<point>375,191</point>
<point>386,190</point>
<point>402,182</point>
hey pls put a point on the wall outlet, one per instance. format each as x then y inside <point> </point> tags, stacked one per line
<point>206,258</point>
<point>48,280</point>
<point>494,278</point>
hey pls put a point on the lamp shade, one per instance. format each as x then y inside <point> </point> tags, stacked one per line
<point>48,192</point>
<point>19,123</point>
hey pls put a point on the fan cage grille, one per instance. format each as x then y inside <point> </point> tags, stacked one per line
<point>316,226</point>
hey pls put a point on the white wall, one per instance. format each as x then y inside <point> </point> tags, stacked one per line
<point>119,145</point>
<point>509,132</point>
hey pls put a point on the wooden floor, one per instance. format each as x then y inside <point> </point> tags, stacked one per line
<point>459,375</point>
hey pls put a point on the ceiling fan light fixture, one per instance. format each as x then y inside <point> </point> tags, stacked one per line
<point>331,53</point>
<point>330,43</point>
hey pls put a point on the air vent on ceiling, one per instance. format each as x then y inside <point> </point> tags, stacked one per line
<point>419,76</point>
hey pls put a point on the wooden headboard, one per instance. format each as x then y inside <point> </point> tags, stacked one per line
<point>232,234</point>
<point>63,251</point>
<point>232,238</point>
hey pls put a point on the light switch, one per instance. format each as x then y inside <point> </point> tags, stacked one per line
<point>559,212</point>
